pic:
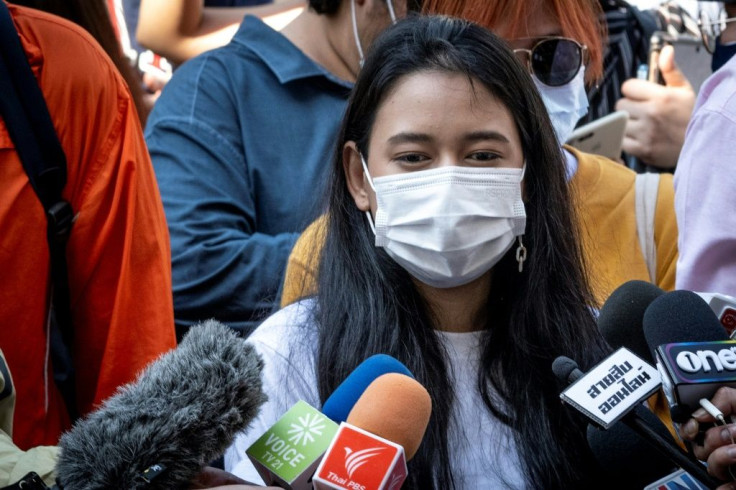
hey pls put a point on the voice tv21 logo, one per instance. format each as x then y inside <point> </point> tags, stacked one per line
<point>296,442</point>
<point>359,460</point>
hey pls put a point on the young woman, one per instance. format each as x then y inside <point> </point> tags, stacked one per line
<point>450,245</point>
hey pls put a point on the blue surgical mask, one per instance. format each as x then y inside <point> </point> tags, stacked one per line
<point>565,104</point>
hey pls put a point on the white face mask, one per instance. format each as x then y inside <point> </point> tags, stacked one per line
<point>450,225</point>
<point>354,20</point>
<point>565,104</point>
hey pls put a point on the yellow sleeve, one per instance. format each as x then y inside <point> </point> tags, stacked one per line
<point>665,233</point>
<point>300,279</point>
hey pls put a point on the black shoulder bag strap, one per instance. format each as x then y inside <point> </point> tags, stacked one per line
<point>27,118</point>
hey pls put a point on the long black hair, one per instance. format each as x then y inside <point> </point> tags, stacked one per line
<point>368,304</point>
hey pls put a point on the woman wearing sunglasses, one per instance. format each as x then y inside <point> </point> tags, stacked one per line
<point>559,42</point>
<point>450,245</point>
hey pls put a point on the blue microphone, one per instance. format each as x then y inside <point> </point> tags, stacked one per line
<point>341,401</point>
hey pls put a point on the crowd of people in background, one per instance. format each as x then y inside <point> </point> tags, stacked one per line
<point>288,167</point>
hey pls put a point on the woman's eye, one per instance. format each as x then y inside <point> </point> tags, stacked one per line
<point>411,158</point>
<point>484,156</point>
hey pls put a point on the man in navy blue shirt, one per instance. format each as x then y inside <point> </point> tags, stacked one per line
<point>240,140</point>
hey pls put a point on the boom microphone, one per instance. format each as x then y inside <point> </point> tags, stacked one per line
<point>383,430</point>
<point>161,430</point>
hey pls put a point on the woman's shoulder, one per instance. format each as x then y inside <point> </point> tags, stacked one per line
<point>289,329</point>
<point>287,343</point>
<point>294,319</point>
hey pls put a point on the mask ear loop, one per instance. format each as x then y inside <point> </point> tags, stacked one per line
<point>370,182</point>
<point>355,32</point>
<point>391,12</point>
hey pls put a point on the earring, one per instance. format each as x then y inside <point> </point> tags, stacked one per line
<point>520,254</point>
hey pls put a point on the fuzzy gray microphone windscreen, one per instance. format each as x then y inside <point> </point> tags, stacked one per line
<point>182,412</point>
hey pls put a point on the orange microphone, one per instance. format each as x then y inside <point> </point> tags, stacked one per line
<point>383,430</point>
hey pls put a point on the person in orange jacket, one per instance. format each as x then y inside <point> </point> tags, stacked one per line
<point>118,251</point>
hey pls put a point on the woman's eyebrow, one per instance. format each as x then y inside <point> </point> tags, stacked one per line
<point>486,135</point>
<point>408,137</point>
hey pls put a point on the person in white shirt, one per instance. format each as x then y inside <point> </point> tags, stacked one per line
<point>449,245</point>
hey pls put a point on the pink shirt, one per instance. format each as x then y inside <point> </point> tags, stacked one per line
<point>705,189</point>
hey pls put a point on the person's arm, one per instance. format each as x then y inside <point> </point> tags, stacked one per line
<point>117,255</point>
<point>118,251</point>
<point>181,29</point>
<point>704,200</point>
<point>658,114</point>
<point>224,267</point>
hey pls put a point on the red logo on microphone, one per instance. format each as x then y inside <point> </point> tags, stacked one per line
<point>728,320</point>
<point>358,460</point>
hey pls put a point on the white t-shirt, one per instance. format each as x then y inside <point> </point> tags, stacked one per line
<point>483,454</point>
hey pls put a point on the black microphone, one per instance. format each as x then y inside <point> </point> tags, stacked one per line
<point>693,353</point>
<point>621,321</point>
<point>621,317</point>
<point>639,420</point>
<point>566,370</point>
<point>182,412</point>
<point>681,316</point>
<point>626,459</point>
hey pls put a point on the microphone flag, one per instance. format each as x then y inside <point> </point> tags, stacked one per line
<point>694,370</point>
<point>612,388</point>
<point>287,454</point>
<point>359,460</point>
<point>679,480</point>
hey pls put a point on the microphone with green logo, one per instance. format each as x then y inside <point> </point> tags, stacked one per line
<point>288,453</point>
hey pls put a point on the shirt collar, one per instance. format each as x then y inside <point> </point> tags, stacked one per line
<point>284,59</point>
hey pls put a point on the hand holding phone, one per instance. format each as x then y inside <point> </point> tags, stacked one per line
<point>603,136</point>
<point>658,114</point>
<point>656,43</point>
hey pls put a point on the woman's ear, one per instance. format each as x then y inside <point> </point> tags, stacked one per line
<point>355,176</point>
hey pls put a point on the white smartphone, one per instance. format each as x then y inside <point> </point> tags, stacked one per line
<point>692,59</point>
<point>603,136</point>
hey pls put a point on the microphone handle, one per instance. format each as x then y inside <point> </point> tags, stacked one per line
<point>669,449</point>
